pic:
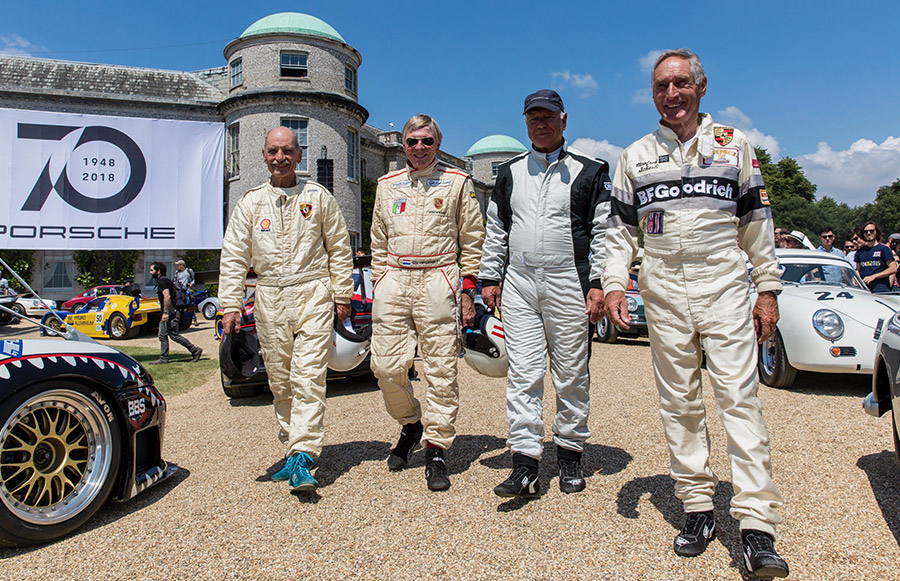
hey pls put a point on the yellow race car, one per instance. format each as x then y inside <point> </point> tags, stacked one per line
<point>114,317</point>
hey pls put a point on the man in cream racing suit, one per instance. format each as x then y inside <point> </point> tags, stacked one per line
<point>546,216</point>
<point>423,216</point>
<point>694,188</point>
<point>294,235</point>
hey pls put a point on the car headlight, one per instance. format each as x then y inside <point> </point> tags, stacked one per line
<point>828,324</point>
<point>632,305</point>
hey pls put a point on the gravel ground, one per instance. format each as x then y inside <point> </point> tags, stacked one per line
<point>221,517</point>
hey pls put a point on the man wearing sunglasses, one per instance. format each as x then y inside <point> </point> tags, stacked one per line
<point>826,238</point>
<point>425,216</point>
<point>694,189</point>
<point>874,261</point>
<point>546,217</point>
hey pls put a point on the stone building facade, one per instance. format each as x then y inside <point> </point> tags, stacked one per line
<point>286,69</point>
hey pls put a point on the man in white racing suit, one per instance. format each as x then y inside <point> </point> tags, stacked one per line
<point>424,215</point>
<point>695,190</point>
<point>294,235</point>
<point>545,244</point>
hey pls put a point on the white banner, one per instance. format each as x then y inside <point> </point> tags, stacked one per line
<point>85,182</point>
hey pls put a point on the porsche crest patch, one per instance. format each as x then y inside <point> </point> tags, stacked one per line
<point>305,210</point>
<point>438,203</point>
<point>723,135</point>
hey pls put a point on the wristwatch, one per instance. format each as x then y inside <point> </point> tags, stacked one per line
<point>470,292</point>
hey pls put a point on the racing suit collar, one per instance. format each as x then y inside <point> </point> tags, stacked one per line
<point>427,171</point>
<point>705,139</point>
<point>545,157</point>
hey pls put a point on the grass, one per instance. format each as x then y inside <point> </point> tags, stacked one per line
<point>179,375</point>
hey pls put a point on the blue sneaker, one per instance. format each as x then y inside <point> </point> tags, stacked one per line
<point>285,472</point>
<point>301,480</point>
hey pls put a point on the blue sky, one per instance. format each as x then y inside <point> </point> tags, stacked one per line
<point>816,81</point>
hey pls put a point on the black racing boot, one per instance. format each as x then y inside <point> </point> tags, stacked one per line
<point>523,480</point>
<point>571,477</point>
<point>436,473</point>
<point>760,556</point>
<point>409,439</point>
<point>698,530</point>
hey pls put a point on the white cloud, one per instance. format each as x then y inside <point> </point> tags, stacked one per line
<point>648,59</point>
<point>15,45</point>
<point>584,85</point>
<point>602,149</point>
<point>737,118</point>
<point>854,174</point>
<point>642,96</point>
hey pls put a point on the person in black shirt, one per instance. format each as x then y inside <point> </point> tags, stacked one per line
<point>168,325</point>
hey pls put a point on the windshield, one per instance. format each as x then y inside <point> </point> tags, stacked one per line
<point>814,273</point>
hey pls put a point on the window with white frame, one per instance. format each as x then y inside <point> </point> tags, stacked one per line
<point>301,128</point>
<point>495,167</point>
<point>59,270</point>
<point>350,79</point>
<point>233,151</point>
<point>294,64</point>
<point>352,154</point>
<point>237,72</point>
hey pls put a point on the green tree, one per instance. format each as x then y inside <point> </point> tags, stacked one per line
<point>200,260</point>
<point>22,261</point>
<point>885,210</point>
<point>791,194</point>
<point>367,201</point>
<point>97,267</point>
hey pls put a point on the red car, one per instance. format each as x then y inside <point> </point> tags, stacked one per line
<point>78,301</point>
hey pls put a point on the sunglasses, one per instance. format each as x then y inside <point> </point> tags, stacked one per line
<point>827,236</point>
<point>868,231</point>
<point>412,141</point>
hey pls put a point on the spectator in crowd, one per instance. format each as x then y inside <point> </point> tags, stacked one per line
<point>779,237</point>
<point>184,275</point>
<point>826,239</point>
<point>171,317</point>
<point>855,242</point>
<point>874,261</point>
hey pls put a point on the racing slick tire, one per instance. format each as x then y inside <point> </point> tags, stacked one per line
<point>54,325</point>
<point>774,368</point>
<point>239,391</point>
<point>60,450</point>
<point>119,329</point>
<point>209,311</point>
<point>606,331</point>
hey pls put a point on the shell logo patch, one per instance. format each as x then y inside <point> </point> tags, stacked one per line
<point>723,135</point>
<point>764,197</point>
<point>305,210</point>
<point>438,203</point>
<point>265,225</point>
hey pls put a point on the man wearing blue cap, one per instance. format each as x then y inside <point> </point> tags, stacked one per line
<point>544,246</point>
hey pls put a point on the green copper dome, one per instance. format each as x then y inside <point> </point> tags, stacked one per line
<point>293,22</point>
<point>496,144</point>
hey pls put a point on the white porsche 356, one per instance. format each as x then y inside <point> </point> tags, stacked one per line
<point>830,322</point>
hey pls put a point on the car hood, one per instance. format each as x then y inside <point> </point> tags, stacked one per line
<point>859,305</point>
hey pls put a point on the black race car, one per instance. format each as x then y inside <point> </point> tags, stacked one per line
<point>79,423</point>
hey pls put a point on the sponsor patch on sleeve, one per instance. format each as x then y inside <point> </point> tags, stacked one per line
<point>11,347</point>
<point>472,194</point>
<point>756,163</point>
<point>655,222</point>
<point>764,197</point>
<point>664,158</point>
<point>726,156</point>
<point>607,186</point>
